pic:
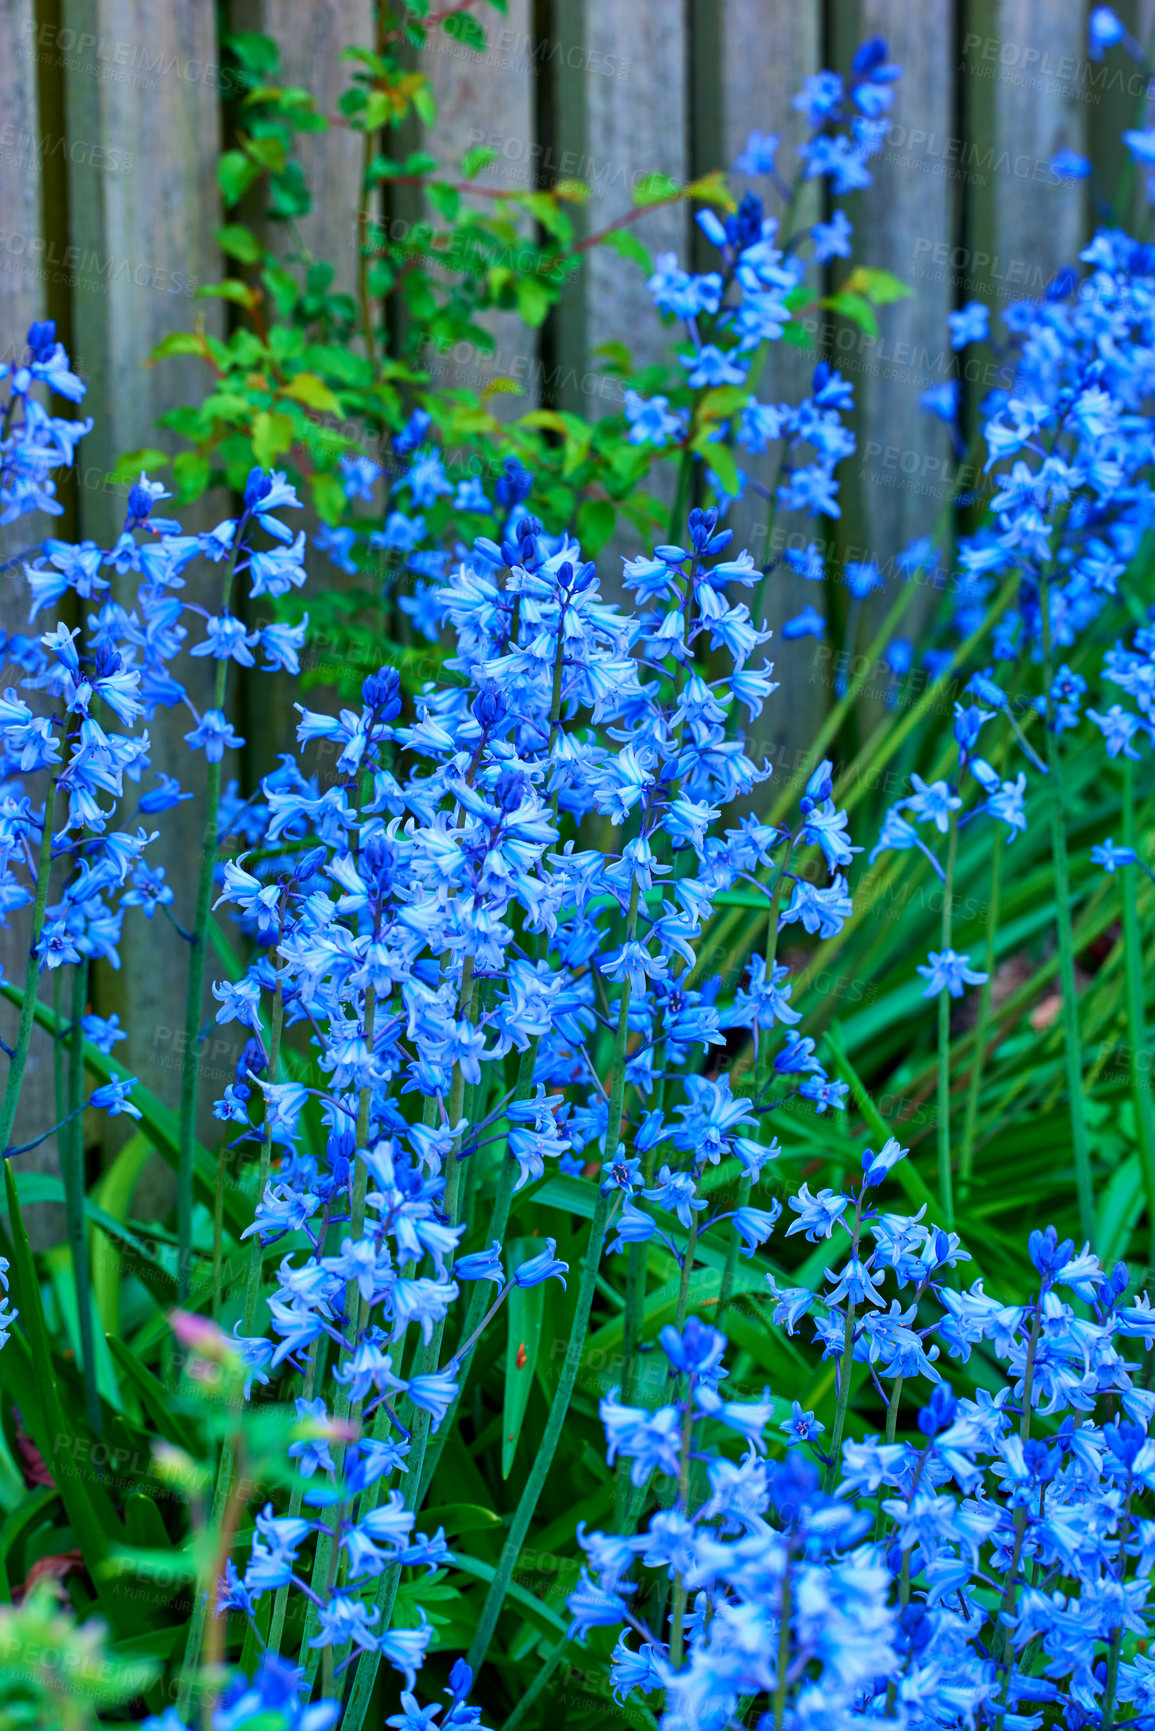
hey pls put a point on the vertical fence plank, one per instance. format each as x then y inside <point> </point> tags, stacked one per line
<point>142,80</point>
<point>768,49</point>
<point>24,297</point>
<point>311,40</point>
<point>895,486</point>
<point>486,97</point>
<point>1026,77</point>
<point>311,43</point>
<point>634,78</point>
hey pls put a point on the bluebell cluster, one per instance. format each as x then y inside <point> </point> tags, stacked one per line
<point>972,1574</point>
<point>508,878</point>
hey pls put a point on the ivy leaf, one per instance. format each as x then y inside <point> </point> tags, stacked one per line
<point>272,434</point>
<point>191,472</point>
<point>268,152</point>
<point>655,188</point>
<point>446,200</point>
<point>476,159</point>
<point>712,189</point>
<point>465,29</point>
<point>856,309</point>
<point>877,286</point>
<point>178,343</point>
<point>127,468</point>
<point>595,524</point>
<point>328,496</point>
<point>232,289</point>
<point>533,300</point>
<point>239,242</point>
<point>627,245</point>
<point>307,388</point>
<point>721,459</point>
<point>722,401</point>
<point>235,175</point>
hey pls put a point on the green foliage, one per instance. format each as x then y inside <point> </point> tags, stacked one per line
<point>57,1672</point>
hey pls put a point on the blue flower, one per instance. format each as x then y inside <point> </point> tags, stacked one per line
<point>948,971</point>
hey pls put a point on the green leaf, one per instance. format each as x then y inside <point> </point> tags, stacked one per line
<point>462,1518</point>
<point>178,343</point>
<point>239,242</point>
<point>159,1120</point>
<point>476,159</point>
<point>854,308</point>
<point>328,496</point>
<point>270,152</point>
<point>539,1613</point>
<point>231,289</point>
<point>524,1313</point>
<point>464,28</point>
<point>712,189</point>
<point>154,1397</point>
<point>721,402</point>
<point>128,468</point>
<point>191,472</point>
<point>272,434</point>
<point>235,175</point>
<point>878,286</point>
<point>533,300</point>
<point>595,524</point>
<point>446,200</point>
<point>721,459</point>
<point>114,1196</point>
<point>307,388</point>
<point>627,245</point>
<point>90,1512</point>
<point>656,189</point>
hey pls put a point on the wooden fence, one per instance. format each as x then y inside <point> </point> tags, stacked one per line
<point>112,115</point>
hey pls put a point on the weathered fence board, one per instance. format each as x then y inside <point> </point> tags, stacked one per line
<point>142,81</point>
<point>23,294</point>
<point>487,99</point>
<point>768,49</point>
<point>895,486</point>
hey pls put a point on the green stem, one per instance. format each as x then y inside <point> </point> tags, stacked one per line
<point>507,1178</point>
<point>982,1028</point>
<point>1136,1010</point>
<point>783,1652</point>
<point>682,494</point>
<point>846,1372</point>
<point>281,1602</point>
<point>761,1077</point>
<point>325,1557</point>
<point>549,1665</point>
<point>846,1365</point>
<point>72,1167</point>
<point>19,1057</point>
<point>678,1606</point>
<point>256,1251</point>
<point>535,1483</point>
<point>198,958</point>
<point>1107,1721</point>
<point>547,1448</point>
<point>1073,1050</point>
<point>945,1173</point>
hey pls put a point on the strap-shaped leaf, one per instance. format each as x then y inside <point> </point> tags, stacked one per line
<point>65,1445</point>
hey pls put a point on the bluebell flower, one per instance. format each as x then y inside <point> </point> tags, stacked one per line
<point>948,971</point>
